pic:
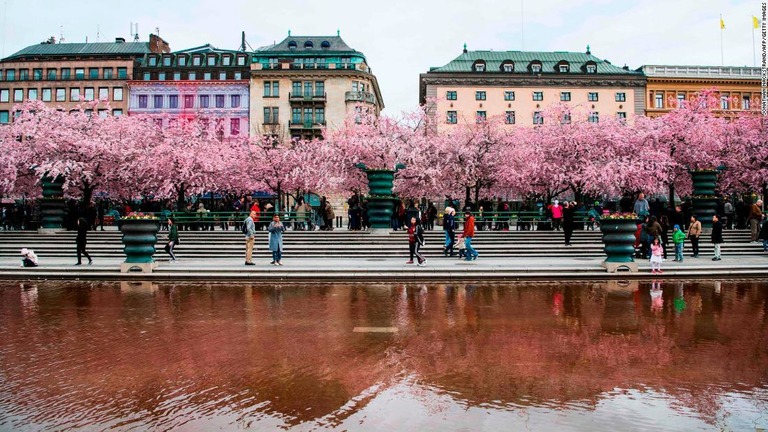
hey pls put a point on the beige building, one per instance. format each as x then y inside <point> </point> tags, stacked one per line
<point>305,83</point>
<point>520,85</point>
<point>68,74</point>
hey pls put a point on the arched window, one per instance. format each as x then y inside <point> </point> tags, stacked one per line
<point>325,45</point>
<point>292,45</point>
<point>507,66</point>
<point>590,67</point>
<point>562,67</point>
<point>308,45</point>
<point>535,66</point>
<point>478,66</point>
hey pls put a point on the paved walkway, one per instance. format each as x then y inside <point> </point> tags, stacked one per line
<point>385,269</point>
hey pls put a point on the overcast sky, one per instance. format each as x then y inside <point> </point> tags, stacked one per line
<point>402,38</point>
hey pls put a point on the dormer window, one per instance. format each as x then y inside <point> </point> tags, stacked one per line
<point>226,60</point>
<point>563,68</point>
<point>182,60</point>
<point>292,45</point>
<point>153,61</point>
<point>325,45</point>
<point>535,66</point>
<point>241,60</point>
<point>308,45</point>
<point>167,61</point>
<point>507,66</point>
<point>211,61</point>
<point>591,69</point>
<point>479,66</point>
<point>196,61</point>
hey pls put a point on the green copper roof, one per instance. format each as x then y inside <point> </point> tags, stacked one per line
<point>308,46</point>
<point>83,49</point>
<point>522,59</point>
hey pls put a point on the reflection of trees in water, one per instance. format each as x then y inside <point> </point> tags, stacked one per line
<point>289,350</point>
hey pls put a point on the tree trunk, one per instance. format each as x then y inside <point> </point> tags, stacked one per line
<point>671,198</point>
<point>466,200</point>
<point>477,195</point>
<point>87,194</point>
<point>180,197</point>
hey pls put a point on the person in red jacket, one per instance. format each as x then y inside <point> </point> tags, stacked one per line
<point>469,232</point>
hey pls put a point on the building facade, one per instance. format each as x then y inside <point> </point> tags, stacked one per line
<point>68,74</point>
<point>737,87</point>
<point>520,85</point>
<point>305,83</point>
<point>204,82</point>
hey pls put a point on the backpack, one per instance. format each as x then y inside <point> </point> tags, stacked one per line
<point>245,227</point>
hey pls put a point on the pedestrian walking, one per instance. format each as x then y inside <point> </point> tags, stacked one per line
<point>569,210</point>
<point>249,230</point>
<point>449,226</point>
<point>694,231</point>
<point>469,233</point>
<point>557,215</point>
<point>28,258</point>
<point>678,237</point>
<point>657,255</point>
<point>276,230</point>
<point>82,233</point>
<point>415,242</point>
<point>755,217</point>
<point>173,238</point>
<point>717,236</point>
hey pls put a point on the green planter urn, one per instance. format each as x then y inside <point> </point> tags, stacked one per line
<point>380,212</point>
<point>704,199</point>
<point>52,205</point>
<point>380,198</point>
<point>139,239</point>
<point>619,239</point>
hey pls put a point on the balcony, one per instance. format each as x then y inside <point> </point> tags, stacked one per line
<point>296,97</point>
<point>360,96</point>
<point>306,125</point>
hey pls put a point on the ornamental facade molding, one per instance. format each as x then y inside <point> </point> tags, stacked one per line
<point>201,88</point>
<point>534,82</point>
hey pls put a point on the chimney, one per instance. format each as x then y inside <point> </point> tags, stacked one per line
<point>158,45</point>
<point>119,40</point>
<point>626,68</point>
<point>465,48</point>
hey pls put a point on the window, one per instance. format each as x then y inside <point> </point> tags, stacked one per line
<point>538,118</point>
<point>147,76</point>
<point>103,113</point>
<point>192,76</point>
<point>206,76</point>
<point>565,96</point>
<point>451,117</point>
<point>4,117</point>
<point>161,76</point>
<point>18,95</point>
<point>509,95</point>
<point>592,96</point>
<point>355,86</point>
<point>267,88</point>
<point>10,74</point>
<point>235,101</point>
<point>319,88</point>
<point>594,117</point>
<point>122,73</point>
<point>480,67</point>
<point>51,74</point>
<point>32,94</point>
<point>157,101</point>
<point>241,60</point>
<point>450,95</point>
<point>79,73</point>
<point>480,116</point>
<point>320,115</point>
<point>61,95</point>
<point>5,95</point>
<point>117,94</point>
<point>182,60</point>
<point>659,100</point>
<point>509,117</point>
<point>196,61</point>
<point>177,76</point>
<point>117,112</point>
<point>74,95</point>
<point>204,101</point>
<point>538,96</point>
<point>307,116</point>
<point>268,115</point>
<point>479,95</point>
<point>107,72</point>
<point>680,99</point>
<point>566,118</point>
<point>621,115</point>
<point>508,67</point>
<point>173,101</point>
<point>563,68</point>
<point>621,97</point>
<point>167,61</point>
<point>536,68</point>
<point>219,101</point>
<point>724,102</point>
<point>189,101</point>
<point>238,75</point>
<point>307,89</point>
<point>142,101</point>
<point>93,73</point>
<point>296,115</point>
<point>745,102</point>
<point>211,61</point>
<point>37,74</point>
<point>153,61</point>
<point>226,60</point>
<point>103,93</point>
<point>23,74</point>
<point>89,93</point>
<point>222,76</point>
<point>234,126</point>
<point>275,88</point>
<point>591,69</point>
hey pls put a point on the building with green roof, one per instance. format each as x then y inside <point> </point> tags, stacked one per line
<point>519,85</point>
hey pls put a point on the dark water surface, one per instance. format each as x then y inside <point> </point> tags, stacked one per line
<point>435,357</point>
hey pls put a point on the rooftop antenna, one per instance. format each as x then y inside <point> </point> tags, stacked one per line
<point>135,32</point>
<point>98,33</point>
<point>157,31</point>
<point>61,34</point>
<point>242,41</point>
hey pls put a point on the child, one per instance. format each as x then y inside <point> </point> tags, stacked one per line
<point>657,255</point>
<point>462,246</point>
<point>678,238</point>
<point>29,258</point>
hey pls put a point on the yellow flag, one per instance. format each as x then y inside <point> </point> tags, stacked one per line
<point>722,23</point>
<point>755,22</point>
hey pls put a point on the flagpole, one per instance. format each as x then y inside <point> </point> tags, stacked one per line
<point>754,56</point>
<point>722,61</point>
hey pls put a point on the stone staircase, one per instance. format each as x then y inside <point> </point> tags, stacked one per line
<point>342,243</point>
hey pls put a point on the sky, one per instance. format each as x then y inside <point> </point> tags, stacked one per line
<point>403,38</point>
